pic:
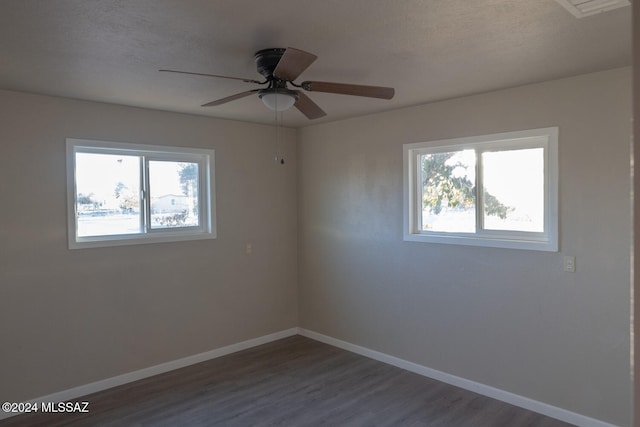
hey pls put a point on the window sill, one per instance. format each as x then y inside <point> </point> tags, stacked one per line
<point>537,244</point>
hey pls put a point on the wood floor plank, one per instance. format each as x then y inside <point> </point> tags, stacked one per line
<point>295,381</point>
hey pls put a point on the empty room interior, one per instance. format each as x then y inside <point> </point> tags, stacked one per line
<point>438,191</point>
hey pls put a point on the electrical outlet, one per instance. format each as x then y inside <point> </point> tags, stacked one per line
<point>570,264</point>
<point>248,249</point>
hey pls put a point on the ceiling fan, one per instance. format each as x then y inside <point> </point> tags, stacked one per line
<point>280,67</point>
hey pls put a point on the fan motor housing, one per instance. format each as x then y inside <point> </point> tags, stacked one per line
<point>267,60</point>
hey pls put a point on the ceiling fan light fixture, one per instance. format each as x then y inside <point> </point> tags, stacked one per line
<point>281,67</point>
<point>278,99</point>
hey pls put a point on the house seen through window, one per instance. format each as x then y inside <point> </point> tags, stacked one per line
<point>124,194</point>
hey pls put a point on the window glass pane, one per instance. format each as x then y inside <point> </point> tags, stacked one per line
<point>448,193</point>
<point>514,190</point>
<point>107,194</point>
<point>173,189</point>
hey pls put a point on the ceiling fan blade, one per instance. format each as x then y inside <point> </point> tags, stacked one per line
<point>213,75</point>
<point>230,98</point>
<point>308,107</point>
<point>292,63</point>
<point>349,89</point>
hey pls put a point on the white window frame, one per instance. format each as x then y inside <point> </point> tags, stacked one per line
<point>546,138</point>
<point>206,193</point>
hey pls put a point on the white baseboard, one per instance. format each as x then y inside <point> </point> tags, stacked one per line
<point>94,387</point>
<point>505,396</point>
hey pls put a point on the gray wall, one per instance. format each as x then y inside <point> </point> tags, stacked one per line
<point>68,318</point>
<point>511,319</point>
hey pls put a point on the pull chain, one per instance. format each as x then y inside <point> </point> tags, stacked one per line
<point>278,125</point>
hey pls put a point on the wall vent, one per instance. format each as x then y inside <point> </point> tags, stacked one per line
<point>582,8</point>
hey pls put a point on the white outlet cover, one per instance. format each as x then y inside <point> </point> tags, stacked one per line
<point>570,264</point>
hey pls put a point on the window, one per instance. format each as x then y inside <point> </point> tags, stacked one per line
<point>123,194</point>
<point>495,190</point>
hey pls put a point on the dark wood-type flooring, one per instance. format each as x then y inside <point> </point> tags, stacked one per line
<point>295,382</point>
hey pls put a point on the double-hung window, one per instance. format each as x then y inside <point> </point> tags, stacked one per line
<point>123,194</point>
<point>495,190</point>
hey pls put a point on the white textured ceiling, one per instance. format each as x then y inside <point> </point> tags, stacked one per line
<point>111,50</point>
